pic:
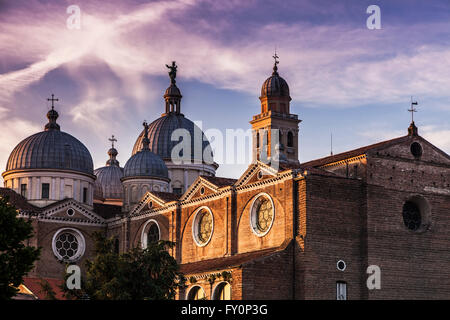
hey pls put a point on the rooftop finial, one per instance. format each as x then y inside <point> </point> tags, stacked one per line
<point>145,141</point>
<point>112,153</point>
<point>275,68</point>
<point>112,139</point>
<point>52,99</point>
<point>52,115</point>
<point>412,130</point>
<point>172,72</point>
<point>412,110</point>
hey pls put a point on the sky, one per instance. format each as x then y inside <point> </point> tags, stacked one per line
<point>109,74</point>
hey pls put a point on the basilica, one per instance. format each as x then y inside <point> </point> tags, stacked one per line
<point>292,230</point>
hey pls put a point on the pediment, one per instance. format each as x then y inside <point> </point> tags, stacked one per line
<point>154,201</point>
<point>200,188</point>
<point>70,211</point>
<point>256,172</point>
<point>205,186</point>
<point>403,149</point>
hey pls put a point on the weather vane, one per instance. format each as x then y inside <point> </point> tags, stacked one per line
<point>52,99</point>
<point>112,139</point>
<point>412,110</point>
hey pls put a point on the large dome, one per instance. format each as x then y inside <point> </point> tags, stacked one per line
<point>160,136</point>
<point>108,178</point>
<point>51,149</point>
<point>145,164</point>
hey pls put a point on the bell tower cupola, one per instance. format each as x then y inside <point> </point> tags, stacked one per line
<point>275,129</point>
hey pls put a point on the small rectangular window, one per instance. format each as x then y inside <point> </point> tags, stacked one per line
<point>45,191</point>
<point>341,290</point>
<point>23,190</point>
<point>85,195</point>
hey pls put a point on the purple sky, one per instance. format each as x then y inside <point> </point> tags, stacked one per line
<point>110,74</point>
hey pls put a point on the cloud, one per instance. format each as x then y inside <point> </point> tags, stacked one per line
<point>438,136</point>
<point>117,58</point>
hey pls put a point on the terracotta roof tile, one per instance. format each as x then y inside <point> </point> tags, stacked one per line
<point>167,196</point>
<point>18,201</point>
<point>220,181</point>
<point>351,153</point>
<point>225,262</point>
<point>107,211</point>
<point>34,285</point>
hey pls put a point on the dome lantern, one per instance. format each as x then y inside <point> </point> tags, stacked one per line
<point>108,186</point>
<point>173,94</point>
<point>52,116</point>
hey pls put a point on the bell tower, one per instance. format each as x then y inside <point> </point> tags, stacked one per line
<point>275,129</point>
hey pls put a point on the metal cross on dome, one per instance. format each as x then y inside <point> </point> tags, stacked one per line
<point>112,139</point>
<point>275,56</point>
<point>52,99</point>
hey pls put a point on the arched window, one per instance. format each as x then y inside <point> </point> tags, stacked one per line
<point>222,291</point>
<point>290,139</point>
<point>196,293</point>
<point>116,246</point>
<point>150,233</point>
<point>257,139</point>
<point>153,233</point>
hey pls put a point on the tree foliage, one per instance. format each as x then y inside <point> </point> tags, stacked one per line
<point>139,274</point>
<point>16,258</point>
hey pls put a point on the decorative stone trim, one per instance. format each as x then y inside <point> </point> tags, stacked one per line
<point>81,244</point>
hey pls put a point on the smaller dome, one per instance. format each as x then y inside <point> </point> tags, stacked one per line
<point>108,182</point>
<point>275,86</point>
<point>146,164</point>
<point>98,192</point>
<point>172,91</point>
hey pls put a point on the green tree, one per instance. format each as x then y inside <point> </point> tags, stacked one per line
<point>16,258</point>
<point>139,274</point>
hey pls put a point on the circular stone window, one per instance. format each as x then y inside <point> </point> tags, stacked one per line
<point>262,215</point>
<point>412,216</point>
<point>202,190</point>
<point>341,265</point>
<point>202,227</point>
<point>416,149</point>
<point>260,175</point>
<point>70,212</point>
<point>68,245</point>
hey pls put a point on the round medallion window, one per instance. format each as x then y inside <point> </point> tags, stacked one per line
<point>262,215</point>
<point>341,265</point>
<point>416,149</point>
<point>412,216</point>
<point>70,212</point>
<point>203,226</point>
<point>68,244</point>
<point>260,175</point>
